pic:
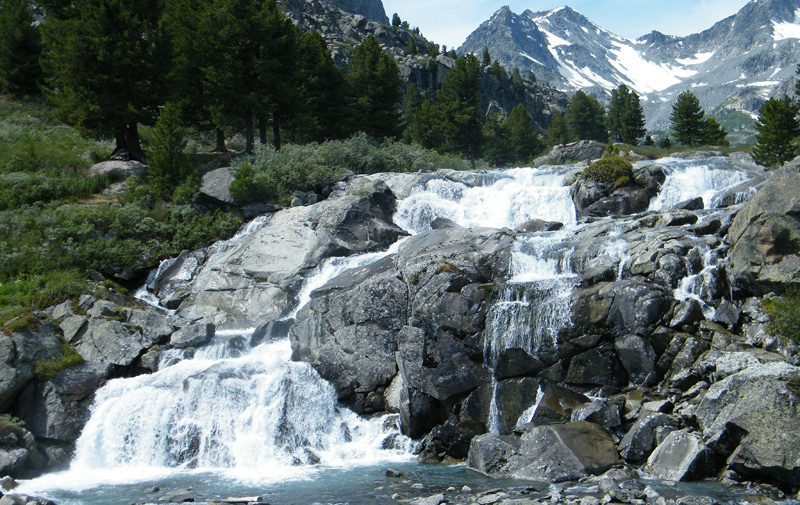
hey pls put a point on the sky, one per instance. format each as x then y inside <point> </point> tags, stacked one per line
<point>449,22</point>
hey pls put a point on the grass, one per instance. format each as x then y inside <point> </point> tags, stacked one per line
<point>46,370</point>
<point>784,315</point>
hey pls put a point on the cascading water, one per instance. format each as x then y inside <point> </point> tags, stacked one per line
<point>692,179</point>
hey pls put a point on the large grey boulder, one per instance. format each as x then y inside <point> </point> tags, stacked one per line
<point>215,186</point>
<point>19,354</point>
<point>682,456</point>
<point>760,408</point>
<point>640,440</point>
<point>249,281</point>
<point>553,453</point>
<point>765,236</point>
<point>194,335</point>
<point>584,150</point>
<point>121,168</point>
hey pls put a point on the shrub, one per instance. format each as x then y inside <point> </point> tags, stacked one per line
<point>46,370</point>
<point>609,170</point>
<point>784,315</point>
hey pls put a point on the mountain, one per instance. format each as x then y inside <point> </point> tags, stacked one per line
<point>346,23</point>
<point>733,67</point>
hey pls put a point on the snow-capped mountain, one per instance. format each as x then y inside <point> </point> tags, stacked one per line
<point>733,67</point>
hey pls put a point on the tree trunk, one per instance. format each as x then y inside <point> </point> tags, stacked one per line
<point>249,133</point>
<point>276,130</point>
<point>472,155</point>
<point>127,144</point>
<point>262,129</point>
<point>134,147</point>
<point>220,147</point>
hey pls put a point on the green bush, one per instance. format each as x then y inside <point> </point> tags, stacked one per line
<point>610,170</point>
<point>273,176</point>
<point>784,315</point>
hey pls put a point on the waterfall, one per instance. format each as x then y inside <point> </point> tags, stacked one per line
<point>692,179</point>
<point>533,307</point>
<point>510,198</point>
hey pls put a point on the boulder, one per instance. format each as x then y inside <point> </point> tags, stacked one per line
<point>682,456</point>
<point>215,186</point>
<point>516,362</point>
<point>538,225</point>
<point>584,150</point>
<point>640,440</point>
<point>119,168</point>
<point>195,335</point>
<point>109,342</point>
<point>442,222</point>
<point>596,367</point>
<point>19,353</point>
<point>601,412</point>
<point>691,204</point>
<point>638,359</point>
<point>765,236</point>
<point>554,453</point>
<point>762,402</point>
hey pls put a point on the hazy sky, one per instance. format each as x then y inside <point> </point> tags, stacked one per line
<point>449,22</point>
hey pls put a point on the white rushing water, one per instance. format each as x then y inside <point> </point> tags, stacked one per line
<point>692,179</point>
<point>511,197</point>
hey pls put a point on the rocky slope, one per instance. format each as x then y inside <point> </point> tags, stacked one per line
<point>733,67</point>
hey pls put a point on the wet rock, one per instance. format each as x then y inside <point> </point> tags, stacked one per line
<point>563,452</point>
<point>691,204</point>
<point>441,223</point>
<point>640,440</point>
<point>686,313</point>
<point>638,359</point>
<point>538,225</point>
<point>192,336</point>
<point>394,473</point>
<point>512,398</point>
<point>682,456</point>
<point>430,500</point>
<point>491,454</point>
<point>271,331</point>
<point>596,368</point>
<point>600,412</point>
<point>516,363</point>
<point>556,406</point>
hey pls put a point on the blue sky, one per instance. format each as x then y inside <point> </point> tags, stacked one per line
<point>451,21</point>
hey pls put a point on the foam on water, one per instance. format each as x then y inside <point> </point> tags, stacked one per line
<point>691,179</point>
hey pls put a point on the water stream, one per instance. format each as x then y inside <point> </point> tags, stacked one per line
<point>253,416</point>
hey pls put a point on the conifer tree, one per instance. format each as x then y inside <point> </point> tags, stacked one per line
<point>426,127</point>
<point>558,132</point>
<point>497,148</point>
<point>777,127</point>
<point>585,117</point>
<point>375,79</point>
<point>486,58</point>
<point>20,48</point>
<point>396,22</point>
<point>625,116</point>
<point>688,119</point>
<point>103,78</point>
<point>460,104</point>
<point>411,105</point>
<point>411,47</point>
<point>713,133</point>
<point>169,165</point>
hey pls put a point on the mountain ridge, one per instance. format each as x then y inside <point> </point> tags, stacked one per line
<point>733,67</point>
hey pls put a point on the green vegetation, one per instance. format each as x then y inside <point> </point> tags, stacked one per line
<point>586,118</point>
<point>690,125</point>
<point>20,48</point>
<point>777,128</point>
<point>46,370</point>
<point>784,315</point>
<point>611,169</point>
<point>625,116</point>
<point>273,175</point>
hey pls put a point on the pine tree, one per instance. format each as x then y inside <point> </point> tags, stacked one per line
<point>625,116</point>
<point>460,103</point>
<point>427,126</point>
<point>525,143</point>
<point>411,47</point>
<point>777,127</point>
<point>585,118</point>
<point>411,105</point>
<point>375,79</point>
<point>486,58</point>
<point>20,48</point>
<point>105,79</point>
<point>688,120</point>
<point>713,133</point>
<point>396,22</point>
<point>558,132</point>
<point>169,165</point>
<point>322,85</point>
<point>497,148</point>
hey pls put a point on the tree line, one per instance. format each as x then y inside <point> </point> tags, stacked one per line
<point>243,66</point>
